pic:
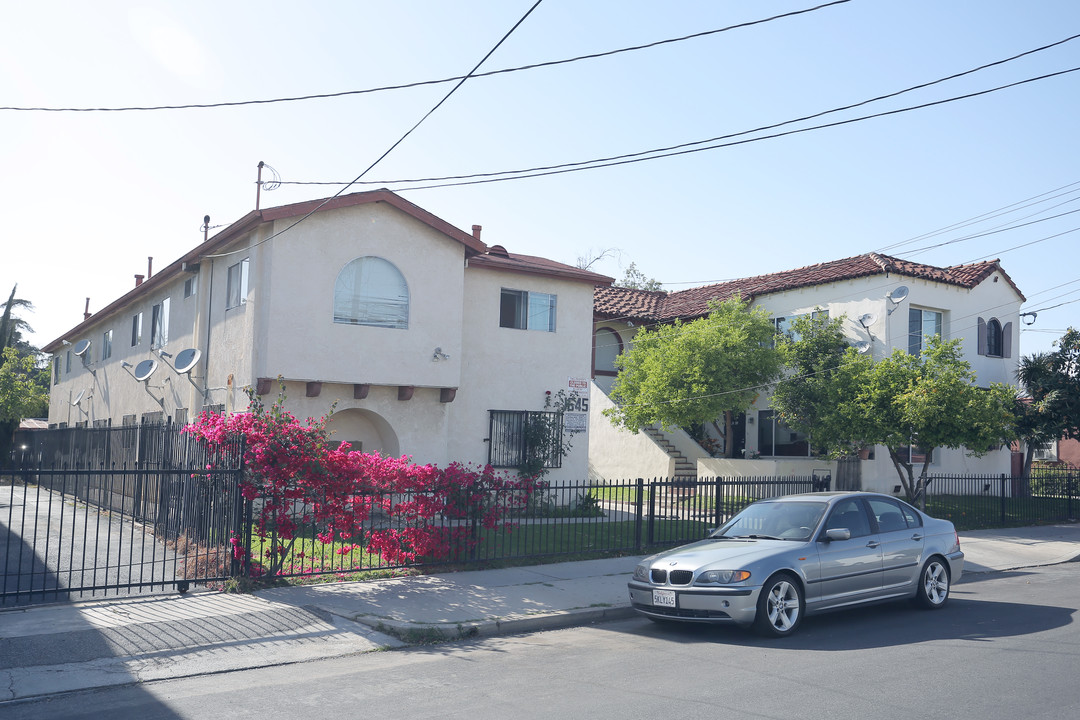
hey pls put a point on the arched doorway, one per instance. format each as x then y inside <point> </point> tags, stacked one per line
<point>365,430</point>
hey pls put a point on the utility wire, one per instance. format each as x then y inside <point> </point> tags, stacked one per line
<point>687,148</point>
<point>399,140</point>
<point>550,63</point>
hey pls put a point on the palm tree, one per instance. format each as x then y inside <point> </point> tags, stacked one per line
<point>12,327</point>
<point>1039,418</point>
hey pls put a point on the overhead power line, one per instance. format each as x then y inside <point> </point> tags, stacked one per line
<point>400,139</point>
<point>422,83</point>
<point>689,147</point>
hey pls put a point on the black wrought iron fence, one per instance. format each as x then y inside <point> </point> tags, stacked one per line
<point>974,502</point>
<point>562,520</point>
<point>116,510</point>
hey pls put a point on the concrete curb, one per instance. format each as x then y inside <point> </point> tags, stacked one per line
<point>411,631</point>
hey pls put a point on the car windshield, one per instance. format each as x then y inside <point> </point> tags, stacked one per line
<point>774,520</point>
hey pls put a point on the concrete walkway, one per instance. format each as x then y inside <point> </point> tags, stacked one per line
<point>64,647</point>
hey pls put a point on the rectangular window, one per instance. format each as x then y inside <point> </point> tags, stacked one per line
<point>776,439</point>
<point>191,286</point>
<point>526,310</point>
<point>921,324</point>
<point>519,435</point>
<point>56,371</point>
<point>106,345</point>
<point>136,329</point>
<point>159,324</point>
<point>236,286</point>
<point>913,454</point>
<point>67,362</point>
<point>1047,451</point>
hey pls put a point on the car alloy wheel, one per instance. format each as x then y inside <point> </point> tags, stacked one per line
<point>780,606</point>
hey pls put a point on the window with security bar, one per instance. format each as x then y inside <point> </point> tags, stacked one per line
<point>517,436</point>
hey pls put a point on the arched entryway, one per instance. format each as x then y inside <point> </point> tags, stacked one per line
<point>365,430</point>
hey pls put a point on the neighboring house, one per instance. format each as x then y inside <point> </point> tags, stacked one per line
<point>888,303</point>
<point>431,343</point>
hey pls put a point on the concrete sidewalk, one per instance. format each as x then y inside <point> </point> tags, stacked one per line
<point>64,647</point>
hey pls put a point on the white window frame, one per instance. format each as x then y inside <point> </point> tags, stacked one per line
<point>159,324</point>
<point>236,284</point>
<point>531,310</point>
<point>916,343</point>
<point>371,291</point>
<point>106,345</point>
<point>136,329</point>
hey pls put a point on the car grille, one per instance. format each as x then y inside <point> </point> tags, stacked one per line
<point>681,613</point>
<point>676,577</point>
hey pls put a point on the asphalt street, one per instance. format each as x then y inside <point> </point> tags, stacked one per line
<point>1005,648</point>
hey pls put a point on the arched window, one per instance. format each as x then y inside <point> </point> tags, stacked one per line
<point>993,338</point>
<point>606,346</point>
<point>371,291</point>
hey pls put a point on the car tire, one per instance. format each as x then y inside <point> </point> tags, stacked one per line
<point>780,606</point>
<point>934,583</point>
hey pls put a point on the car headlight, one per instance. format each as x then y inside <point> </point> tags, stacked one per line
<point>723,577</point>
<point>641,572</point>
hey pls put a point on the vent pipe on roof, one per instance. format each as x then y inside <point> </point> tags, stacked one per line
<point>86,310</point>
<point>149,267</point>
<point>205,228</point>
<point>476,231</point>
<point>138,280</point>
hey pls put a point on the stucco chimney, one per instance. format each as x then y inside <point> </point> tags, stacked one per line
<point>476,231</point>
<point>138,280</point>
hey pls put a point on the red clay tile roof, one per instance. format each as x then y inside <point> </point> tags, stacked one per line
<point>624,303</point>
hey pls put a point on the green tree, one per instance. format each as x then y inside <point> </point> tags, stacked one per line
<point>684,374</point>
<point>1051,408</point>
<point>926,401</point>
<point>21,395</point>
<point>822,370</point>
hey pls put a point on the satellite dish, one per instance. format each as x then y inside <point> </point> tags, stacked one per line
<point>898,293</point>
<point>186,360</point>
<point>862,346</point>
<point>867,320</point>
<point>79,397</point>
<point>145,369</point>
<point>81,347</point>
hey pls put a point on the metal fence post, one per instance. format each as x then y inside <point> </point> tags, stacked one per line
<point>1003,480</point>
<point>638,502</point>
<point>651,534</point>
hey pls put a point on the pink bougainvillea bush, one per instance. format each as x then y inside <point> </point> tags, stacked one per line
<point>299,480</point>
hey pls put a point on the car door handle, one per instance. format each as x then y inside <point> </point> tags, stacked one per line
<point>872,544</point>
<point>916,536</point>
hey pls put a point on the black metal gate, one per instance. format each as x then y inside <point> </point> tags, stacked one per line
<point>114,511</point>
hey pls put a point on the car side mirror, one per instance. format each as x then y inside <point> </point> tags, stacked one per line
<point>837,534</point>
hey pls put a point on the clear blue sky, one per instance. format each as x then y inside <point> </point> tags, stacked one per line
<point>87,197</point>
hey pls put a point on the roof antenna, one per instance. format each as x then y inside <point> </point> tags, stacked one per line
<point>270,184</point>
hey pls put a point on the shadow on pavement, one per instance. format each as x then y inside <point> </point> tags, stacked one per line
<point>886,625</point>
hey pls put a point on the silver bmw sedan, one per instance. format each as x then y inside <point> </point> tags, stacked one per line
<point>781,559</point>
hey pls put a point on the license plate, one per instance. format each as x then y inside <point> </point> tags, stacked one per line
<point>663,598</point>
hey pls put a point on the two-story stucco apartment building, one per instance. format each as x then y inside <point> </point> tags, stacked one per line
<point>888,303</point>
<point>431,343</point>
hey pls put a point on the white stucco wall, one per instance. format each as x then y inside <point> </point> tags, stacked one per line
<point>961,309</point>
<point>511,369</point>
<point>300,303</point>
<point>285,327</point>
